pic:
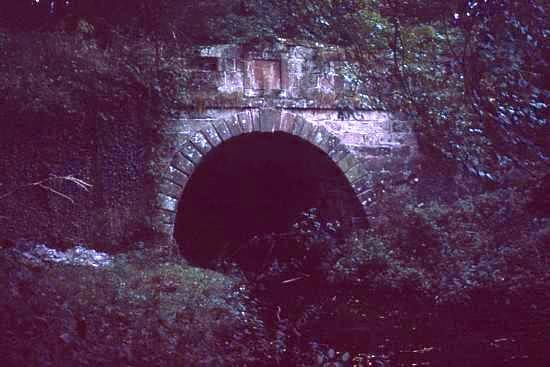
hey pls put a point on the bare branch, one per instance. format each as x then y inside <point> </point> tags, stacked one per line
<point>44,184</point>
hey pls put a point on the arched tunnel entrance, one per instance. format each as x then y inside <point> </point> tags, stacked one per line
<point>255,184</point>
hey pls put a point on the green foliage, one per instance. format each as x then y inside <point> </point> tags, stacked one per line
<point>68,76</point>
<point>470,73</point>
<point>143,310</point>
<point>441,253</point>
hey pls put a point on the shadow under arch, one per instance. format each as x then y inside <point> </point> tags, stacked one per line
<point>258,183</point>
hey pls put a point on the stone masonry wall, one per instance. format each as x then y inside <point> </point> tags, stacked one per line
<point>233,90</point>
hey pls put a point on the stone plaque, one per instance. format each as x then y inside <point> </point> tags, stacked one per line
<point>263,75</point>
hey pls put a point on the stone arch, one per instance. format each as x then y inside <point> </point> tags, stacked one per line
<point>185,160</point>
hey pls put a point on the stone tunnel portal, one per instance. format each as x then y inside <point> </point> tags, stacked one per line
<point>258,183</point>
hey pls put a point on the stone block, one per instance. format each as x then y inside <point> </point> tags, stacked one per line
<point>329,143</point>
<point>307,130</point>
<point>255,118</point>
<point>356,172</point>
<point>222,129</point>
<point>319,136</point>
<point>338,152</point>
<point>160,217</point>
<point>192,152</point>
<point>269,119</point>
<point>245,120</point>
<point>298,125</point>
<point>165,229</point>
<point>200,141</point>
<point>365,183</point>
<point>366,198</point>
<point>287,122</point>
<point>211,135</point>
<point>263,75</point>
<point>347,162</point>
<point>228,64</point>
<point>166,202</point>
<point>183,164</point>
<point>170,188</point>
<point>175,176</point>
<point>234,126</point>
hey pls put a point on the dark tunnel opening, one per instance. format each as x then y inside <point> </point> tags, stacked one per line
<point>257,184</point>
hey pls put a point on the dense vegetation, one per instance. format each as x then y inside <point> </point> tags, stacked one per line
<point>474,73</point>
<point>457,273</point>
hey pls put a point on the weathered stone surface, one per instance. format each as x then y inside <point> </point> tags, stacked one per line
<point>245,120</point>
<point>163,217</point>
<point>212,135</point>
<point>234,126</point>
<point>299,123</point>
<point>175,176</point>
<point>330,143</point>
<point>319,136</point>
<point>166,229</point>
<point>363,184</point>
<point>287,121</point>
<point>338,152</point>
<point>290,89</point>
<point>347,162</point>
<point>183,164</point>
<point>190,151</point>
<point>222,129</point>
<point>269,119</point>
<point>355,172</point>
<point>166,202</point>
<point>255,116</point>
<point>306,131</point>
<point>366,198</point>
<point>171,189</point>
<point>200,141</point>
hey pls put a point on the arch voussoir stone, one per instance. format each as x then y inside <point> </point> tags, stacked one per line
<point>234,126</point>
<point>255,118</point>
<point>165,202</point>
<point>245,120</point>
<point>163,217</point>
<point>175,176</point>
<point>167,229</point>
<point>319,136</point>
<point>270,120</point>
<point>338,152</point>
<point>182,164</point>
<point>212,135</point>
<point>199,144</point>
<point>223,131</point>
<point>191,152</point>
<point>298,125</point>
<point>355,173</point>
<point>347,162</point>
<point>287,122</point>
<point>365,183</point>
<point>307,131</point>
<point>199,140</point>
<point>171,189</point>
